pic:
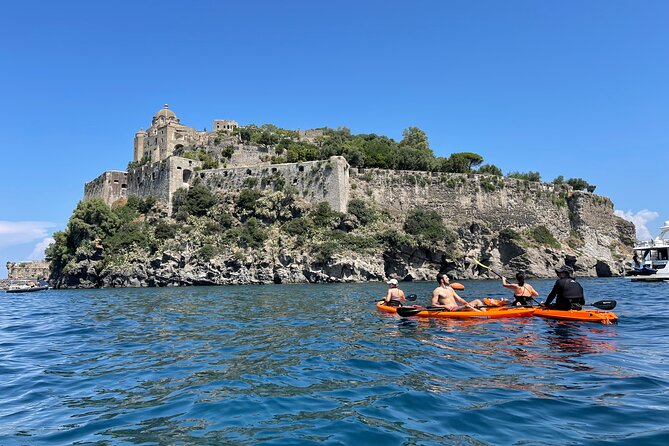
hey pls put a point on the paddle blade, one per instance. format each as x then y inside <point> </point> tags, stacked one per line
<point>457,286</point>
<point>481,264</point>
<point>408,311</point>
<point>487,267</point>
<point>412,297</point>
<point>605,304</point>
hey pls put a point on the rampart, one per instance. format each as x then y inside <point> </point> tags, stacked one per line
<point>162,179</point>
<point>315,181</point>
<point>27,270</point>
<point>110,186</point>
<point>497,201</point>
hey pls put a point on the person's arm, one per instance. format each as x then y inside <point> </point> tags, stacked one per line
<point>401,294</point>
<point>533,292</point>
<point>435,298</point>
<point>462,301</point>
<point>553,293</point>
<point>507,284</point>
<point>387,298</point>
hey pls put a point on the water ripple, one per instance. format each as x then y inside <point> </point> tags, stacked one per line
<point>314,364</point>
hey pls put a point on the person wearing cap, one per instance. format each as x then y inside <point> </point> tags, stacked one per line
<point>395,296</point>
<point>522,292</point>
<point>444,296</point>
<point>569,292</point>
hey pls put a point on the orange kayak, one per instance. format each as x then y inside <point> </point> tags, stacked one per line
<point>488,313</point>
<point>386,308</point>
<point>604,317</point>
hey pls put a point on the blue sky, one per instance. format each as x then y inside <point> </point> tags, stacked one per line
<point>573,88</point>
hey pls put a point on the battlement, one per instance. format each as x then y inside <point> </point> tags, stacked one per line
<point>110,186</point>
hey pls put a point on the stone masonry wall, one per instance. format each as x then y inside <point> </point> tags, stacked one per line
<point>315,181</point>
<point>461,198</point>
<point>110,186</point>
<point>27,270</point>
<point>162,179</point>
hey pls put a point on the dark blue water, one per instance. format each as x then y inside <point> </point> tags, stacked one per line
<point>317,364</point>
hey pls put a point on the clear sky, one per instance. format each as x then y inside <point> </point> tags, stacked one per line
<point>573,88</point>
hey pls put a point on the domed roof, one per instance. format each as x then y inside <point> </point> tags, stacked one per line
<point>166,112</point>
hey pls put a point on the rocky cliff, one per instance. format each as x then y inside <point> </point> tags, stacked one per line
<point>273,237</point>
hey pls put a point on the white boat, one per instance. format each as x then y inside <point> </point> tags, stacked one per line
<point>653,258</point>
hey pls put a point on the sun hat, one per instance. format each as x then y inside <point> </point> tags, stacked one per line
<point>565,269</point>
<point>392,282</point>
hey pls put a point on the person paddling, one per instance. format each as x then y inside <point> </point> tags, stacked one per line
<point>395,296</point>
<point>568,291</point>
<point>445,297</point>
<point>522,292</point>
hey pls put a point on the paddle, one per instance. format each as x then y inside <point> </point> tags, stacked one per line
<point>607,305</point>
<point>412,311</point>
<point>502,277</point>
<point>487,267</point>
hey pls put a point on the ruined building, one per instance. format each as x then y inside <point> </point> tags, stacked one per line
<point>159,170</point>
<point>27,270</point>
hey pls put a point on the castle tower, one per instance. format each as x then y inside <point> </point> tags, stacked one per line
<point>165,135</point>
<point>140,140</point>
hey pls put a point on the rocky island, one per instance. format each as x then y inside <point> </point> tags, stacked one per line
<point>240,205</point>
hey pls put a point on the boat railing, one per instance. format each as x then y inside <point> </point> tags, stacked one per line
<point>652,244</point>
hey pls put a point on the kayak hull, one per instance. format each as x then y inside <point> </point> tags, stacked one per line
<point>385,308</point>
<point>603,317</point>
<point>489,313</point>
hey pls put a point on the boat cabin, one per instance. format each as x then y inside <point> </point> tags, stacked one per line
<point>655,258</point>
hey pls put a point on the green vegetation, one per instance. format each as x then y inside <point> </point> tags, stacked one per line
<point>208,161</point>
<point>543,236</point>
<point>490,169</point>
<point>581,184</point>
<point>146,158</point>
<point>508,234</point>
<point>428,227</point>
<point>196,200</point>
<point>324,217</point>
<point>413,152</point>
<point>364,213</point>
<point>575,241</point>
<point>528,176</point>
<point>228,151</point>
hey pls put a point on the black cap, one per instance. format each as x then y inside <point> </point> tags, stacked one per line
<point>565,269</point>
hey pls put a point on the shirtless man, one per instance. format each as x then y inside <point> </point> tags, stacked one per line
<point>444,296</point>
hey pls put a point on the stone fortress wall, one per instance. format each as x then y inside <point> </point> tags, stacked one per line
<point>315,181</point>
<point>27,270</point>
<point>162,179</point>
<point>461,198</point>
<point>110,186</point>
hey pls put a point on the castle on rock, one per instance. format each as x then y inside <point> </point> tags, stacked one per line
<point>168,156</point>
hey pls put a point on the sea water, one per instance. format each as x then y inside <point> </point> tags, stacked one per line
<point>318,364</point>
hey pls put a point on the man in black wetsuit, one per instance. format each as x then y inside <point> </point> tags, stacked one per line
<point>568,291</point>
